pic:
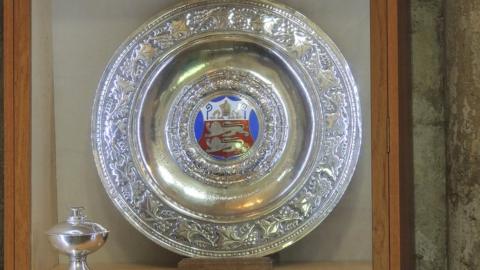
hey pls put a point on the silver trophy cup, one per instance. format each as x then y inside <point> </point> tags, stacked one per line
<point>77,238</point>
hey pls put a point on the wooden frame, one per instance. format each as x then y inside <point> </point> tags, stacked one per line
<point>392,179</point>
<point>391,135</point>
<point>17,147</point>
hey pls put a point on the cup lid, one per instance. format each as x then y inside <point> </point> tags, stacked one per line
<point>77,225</point>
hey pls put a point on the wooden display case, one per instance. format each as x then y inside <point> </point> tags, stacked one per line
<point>391,157</point>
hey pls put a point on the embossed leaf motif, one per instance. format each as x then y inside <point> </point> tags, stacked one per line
<point>147,52</point>
<point>333,165</point>
<point>154,211</point>
<point>304,203</point>
<point>331,119</point>
<point>301,46</point>
<point>269,24</point>
<point>324,173</point>
<point>124,86</point>
<point>230,236</point>
<point>217,18</point>
<point>322,188</point>
<point>179,28</point>
<point>265,23</point>
<point>162,219</point>
<point>328,79</point>
<point>120,98</point>
<point>192,232</point>
<point>119,176</point>
<point>139,195</point>
<point>270,228</point>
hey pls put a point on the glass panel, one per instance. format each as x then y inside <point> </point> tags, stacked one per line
<point>72,44</point>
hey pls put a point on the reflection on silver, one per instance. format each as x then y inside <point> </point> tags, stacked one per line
<point>77,238</point>
<point>226,128</point>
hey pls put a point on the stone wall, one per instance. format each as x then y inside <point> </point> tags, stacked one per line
<point>429,134</point>
<point>463,132</point>
<point>446,59</point>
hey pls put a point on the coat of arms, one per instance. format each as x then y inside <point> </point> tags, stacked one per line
<point>226,127</point>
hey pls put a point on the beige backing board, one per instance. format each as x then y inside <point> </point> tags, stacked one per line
<point>77,38</point>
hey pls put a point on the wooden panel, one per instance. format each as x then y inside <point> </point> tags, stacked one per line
<point>401,145</point>
<point>260,263</point>
<point>326,266</point>
<point>379,103</point>
<point>17,133</point>
<point>297,266</point>
<point>9,138</point>
<point>119,267</point>
<point>391,136</point>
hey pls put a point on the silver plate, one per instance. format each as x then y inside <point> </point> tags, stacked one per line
<point>226,128</point>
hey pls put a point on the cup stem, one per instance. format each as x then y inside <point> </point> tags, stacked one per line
<point>78,262</point>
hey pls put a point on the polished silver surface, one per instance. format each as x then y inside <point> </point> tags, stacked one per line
<point>77,238</point>
<point>226,129</point>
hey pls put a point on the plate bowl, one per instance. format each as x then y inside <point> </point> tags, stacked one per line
<point>225,127</point>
